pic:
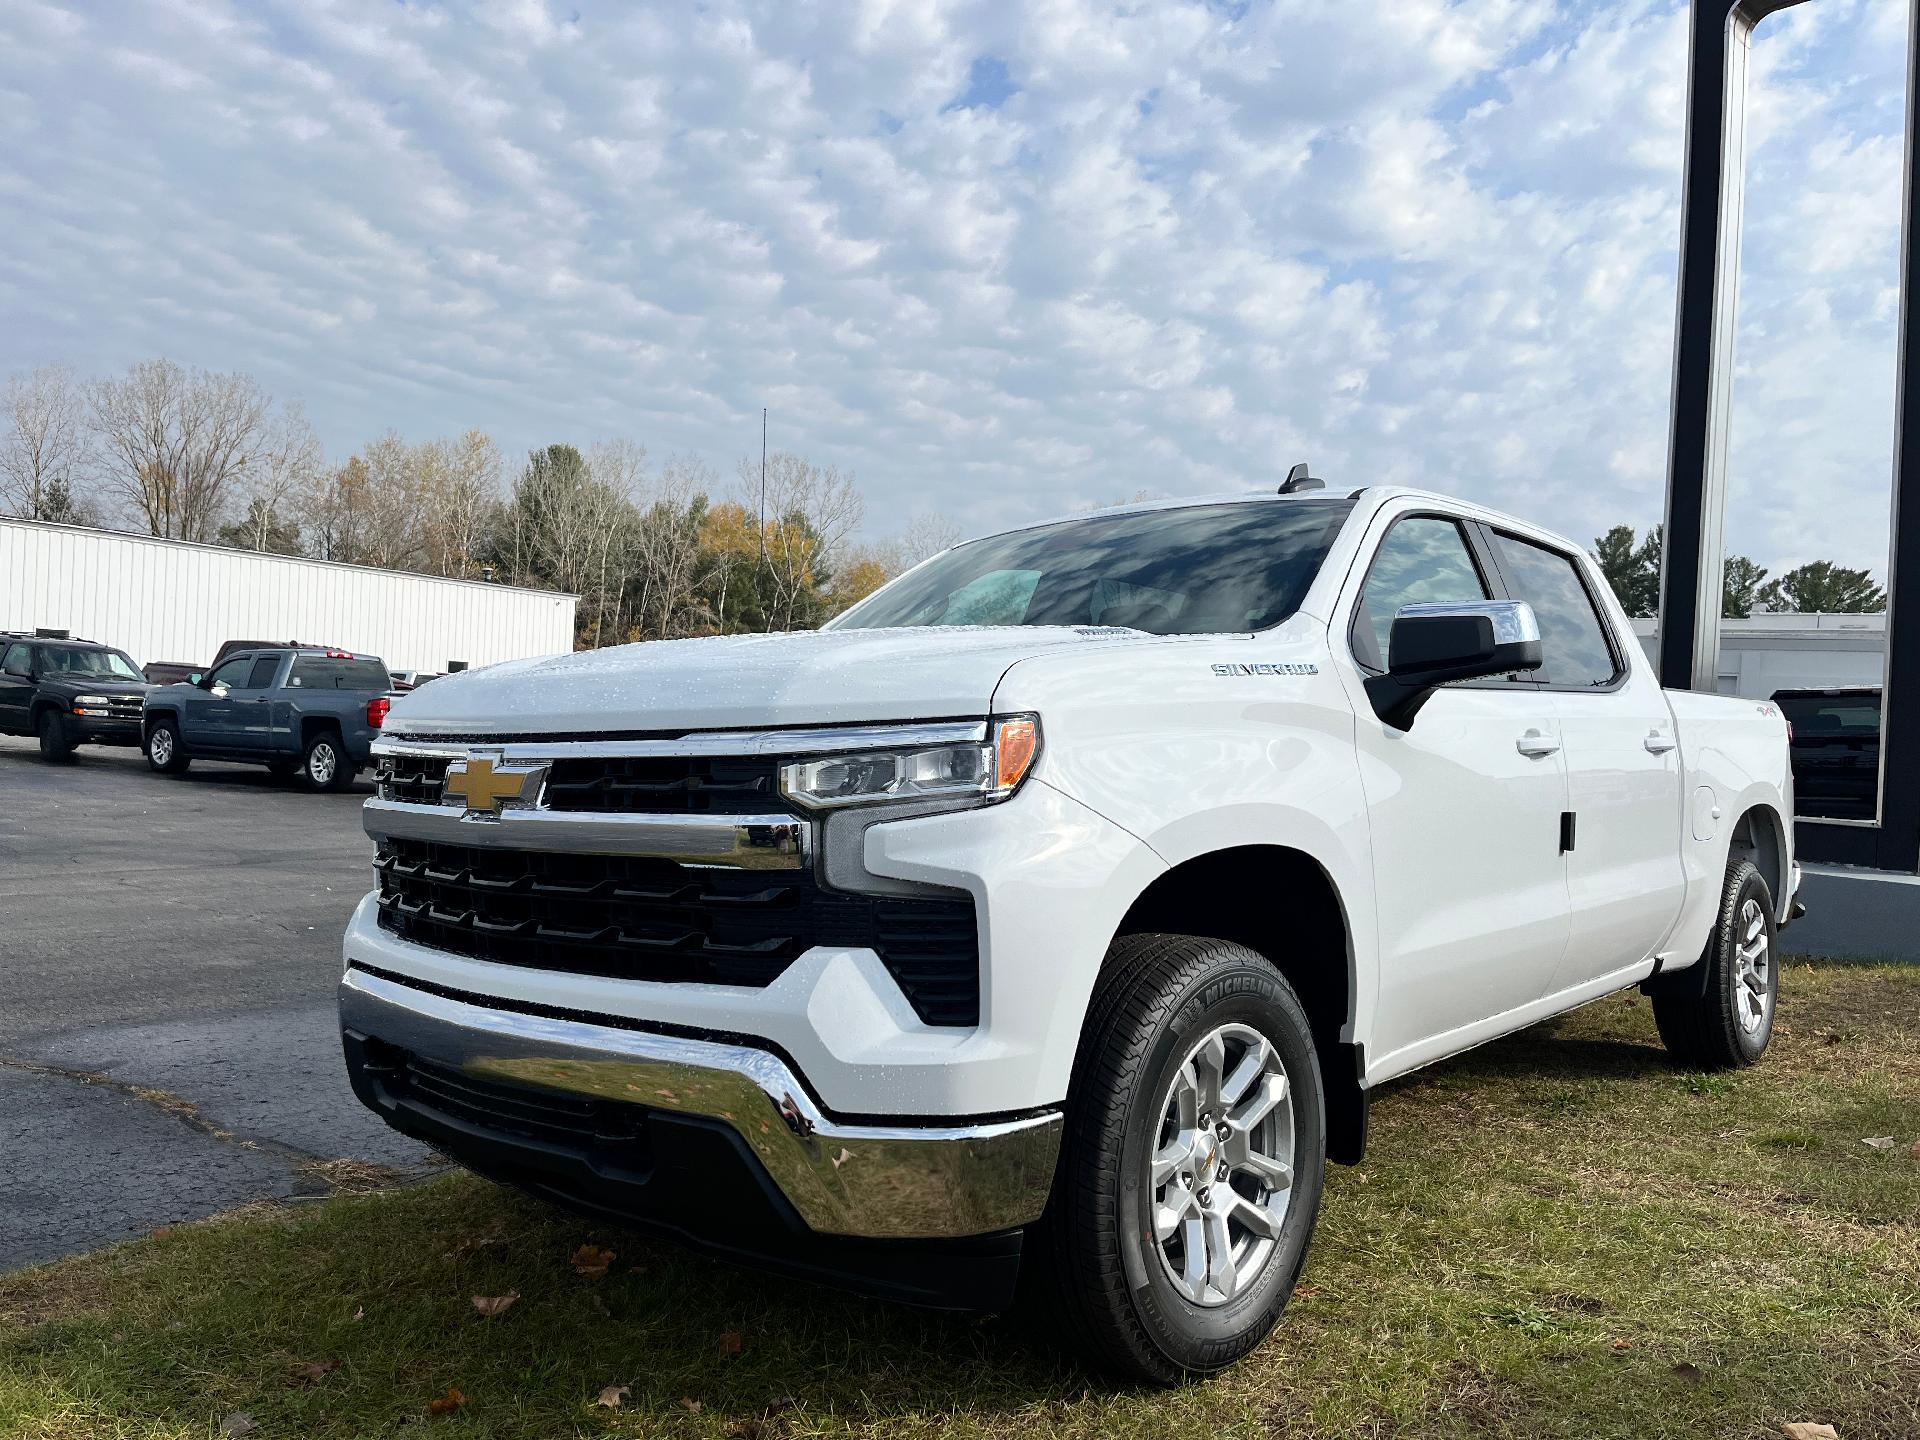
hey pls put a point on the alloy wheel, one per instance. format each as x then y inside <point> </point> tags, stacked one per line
<point>1222,1168</point>
<point>1752,980</point>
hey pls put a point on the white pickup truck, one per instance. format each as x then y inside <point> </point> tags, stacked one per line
<point>1057,907</point>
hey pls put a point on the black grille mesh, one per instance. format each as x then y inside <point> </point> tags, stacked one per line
<point>650,919</point>
<point>627,785</point>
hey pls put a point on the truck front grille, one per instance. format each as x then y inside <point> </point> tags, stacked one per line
<point>641,918</point>
<point>616,785</point>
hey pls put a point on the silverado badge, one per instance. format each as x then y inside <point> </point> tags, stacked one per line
<point>485,786</point>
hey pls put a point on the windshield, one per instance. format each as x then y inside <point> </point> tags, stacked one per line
<point>1199,570</point>
<point>56,660</point>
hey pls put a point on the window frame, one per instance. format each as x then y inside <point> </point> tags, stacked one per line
<point>272,675</point>
<point>1479,536</point>
<point>1622,665</point>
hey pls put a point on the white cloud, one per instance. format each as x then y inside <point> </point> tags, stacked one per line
<point>1178,247</point>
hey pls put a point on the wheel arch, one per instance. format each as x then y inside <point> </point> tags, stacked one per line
<point>1281,903</point>
<point>1760,835</point>
<point>314,726</point>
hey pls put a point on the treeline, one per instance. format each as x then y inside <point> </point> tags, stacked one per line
<point>1632,567</point>
<point>654,550</point>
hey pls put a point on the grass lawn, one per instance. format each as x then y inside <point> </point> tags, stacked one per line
<point>1557,1235</point>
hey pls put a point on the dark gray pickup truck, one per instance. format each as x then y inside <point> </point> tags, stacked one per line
<point>297,710</point>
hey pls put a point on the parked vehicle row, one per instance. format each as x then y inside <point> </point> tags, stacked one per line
<point>304,711</point>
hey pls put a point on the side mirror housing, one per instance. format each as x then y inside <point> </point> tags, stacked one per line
<point>1434,645</point>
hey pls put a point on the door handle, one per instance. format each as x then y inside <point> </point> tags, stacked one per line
<point>1658,742</point>
<point>1535,744</point>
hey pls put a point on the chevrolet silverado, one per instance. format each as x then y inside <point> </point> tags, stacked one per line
<point>1051,914</point>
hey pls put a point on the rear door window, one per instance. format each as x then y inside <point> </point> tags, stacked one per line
<point>264,669</point>
<point>326,672</point>
<point>1573,640</point>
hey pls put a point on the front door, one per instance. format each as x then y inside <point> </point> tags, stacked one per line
<point>213,718</point>
<point>1470,887</point>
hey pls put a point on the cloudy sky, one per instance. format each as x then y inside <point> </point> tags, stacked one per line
<point>1002,260</point>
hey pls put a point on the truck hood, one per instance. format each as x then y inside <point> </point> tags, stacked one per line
<point>731,682</point>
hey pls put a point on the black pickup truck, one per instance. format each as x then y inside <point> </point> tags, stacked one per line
<point>298,710</point>
<point>68,692</point>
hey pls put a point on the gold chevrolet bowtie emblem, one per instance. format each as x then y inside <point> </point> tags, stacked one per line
<point>486,787</point>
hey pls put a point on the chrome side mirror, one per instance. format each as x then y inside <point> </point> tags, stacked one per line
<point>1432,645</point>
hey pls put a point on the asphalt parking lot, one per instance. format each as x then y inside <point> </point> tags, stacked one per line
<point>169,948</point>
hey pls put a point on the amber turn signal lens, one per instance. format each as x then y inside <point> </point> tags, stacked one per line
<point>1016,743</point>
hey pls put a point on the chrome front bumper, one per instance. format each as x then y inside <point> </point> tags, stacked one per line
<point>874,1181</point>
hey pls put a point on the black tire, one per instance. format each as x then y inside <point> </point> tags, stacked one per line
<point>1098,1264</point>
<point>172,758</point>
<point>56,746</point>
<point>324,765</point>
<point>1719,1029</point>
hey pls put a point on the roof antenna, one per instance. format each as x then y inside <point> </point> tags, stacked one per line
<point>1298,480</point>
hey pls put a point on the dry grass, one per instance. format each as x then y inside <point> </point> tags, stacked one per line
<point>1556,1235</point>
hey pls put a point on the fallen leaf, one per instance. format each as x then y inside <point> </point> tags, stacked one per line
<point>842,1158</point>
<point>312,1372</point>
<point>612,1395</point>
<point>447,1403</point>
<point>493,1305</point>
<point>1623,1344</point>
<point>1307,1292</point>
<point>730,1343</point>
<point>1808,1430</point>
<point>1914,1152</point>
<point>359,1312</point>
<point>160,1232</point>
<point>1689,1372</point>
<point>238,1423</point>
<point>592,1261</point>
<point>752,1428</point>
<point>691,1405</point>
<point>1878,1142</point>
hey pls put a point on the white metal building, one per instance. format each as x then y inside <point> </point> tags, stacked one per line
<point>172,600</point>
<point>1766,653</point>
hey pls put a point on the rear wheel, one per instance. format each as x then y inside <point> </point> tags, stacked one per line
<point>324,766</point>
<point>1728,1025</point>
<point>55,744</point>
<point>164,752</point>
<point>1192,1162</point>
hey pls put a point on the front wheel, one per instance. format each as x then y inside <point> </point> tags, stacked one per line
<point>1728,1024</point>
<point>324,765</point>
<point>55,744</point>
<point>164,753</point>
<point>1192,1162</point>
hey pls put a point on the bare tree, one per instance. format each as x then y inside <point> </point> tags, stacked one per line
<point>469,494</point>
<point>178,442</point>
<point>290,459</point>
<point>926,535</point>
<point>667,548</point>
<point>810,512</point>
<point>45,449</point>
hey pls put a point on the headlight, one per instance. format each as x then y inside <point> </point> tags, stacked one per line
<point>989,769</point>
<point>91,700</point>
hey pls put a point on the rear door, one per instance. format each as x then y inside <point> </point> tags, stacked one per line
<point>252,704</point>
<point>16,686</point>
<point>1625,882</point>
<point>1464,811</point>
